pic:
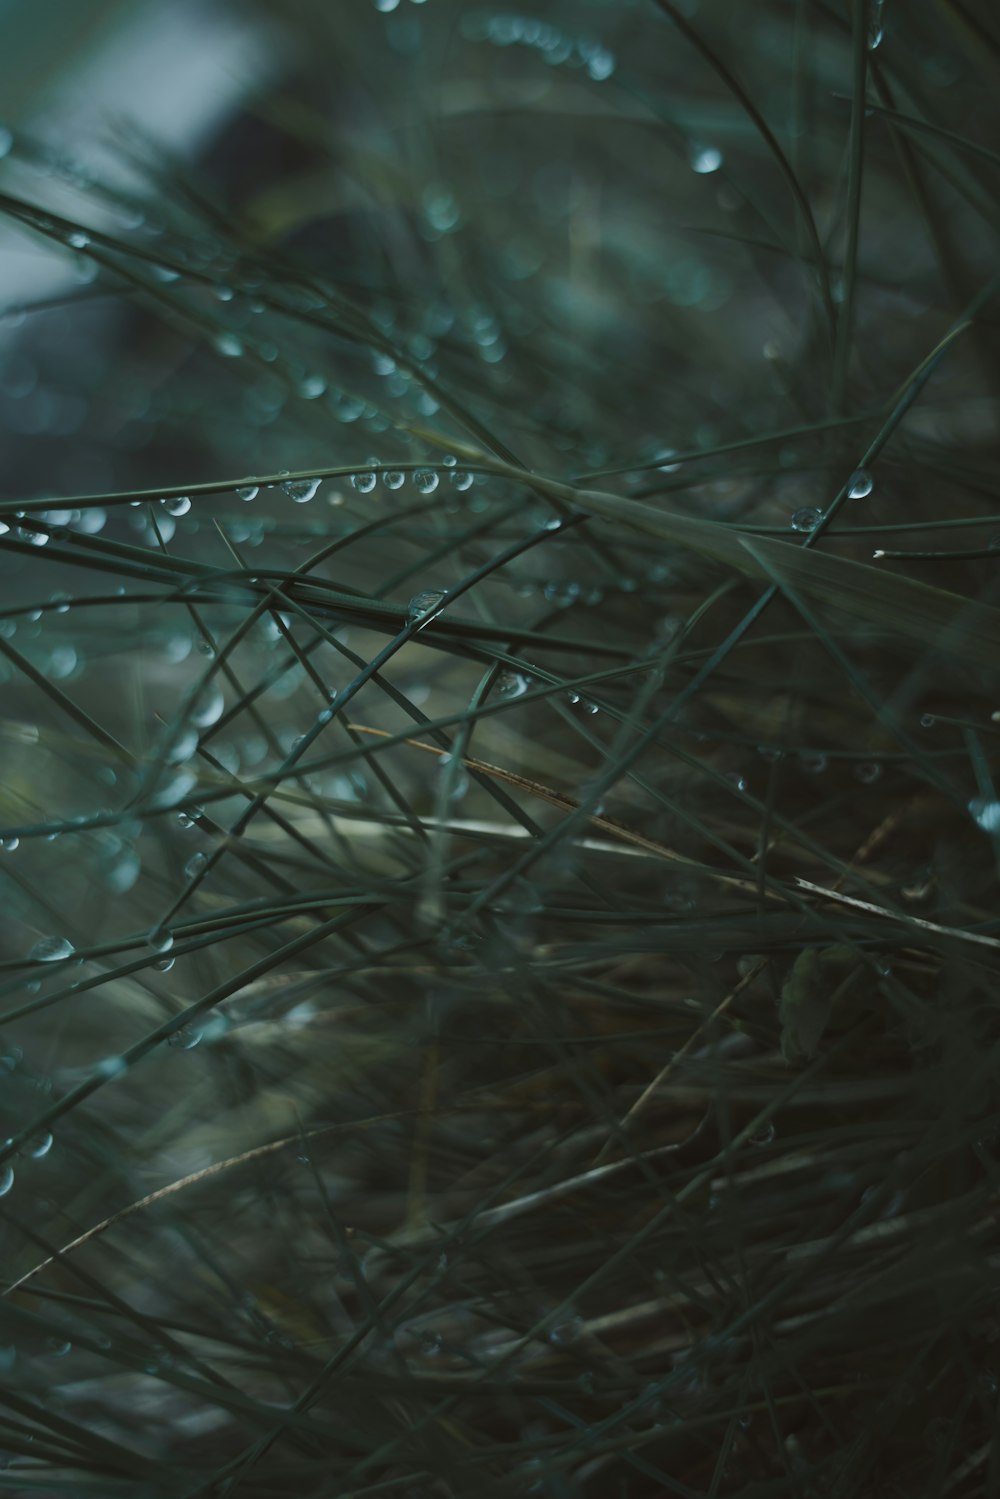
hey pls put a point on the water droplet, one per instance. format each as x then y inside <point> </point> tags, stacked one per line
<point>179,505</point>
<point>737,779</point>
<point>62,602</point>
<point>423,604</point>
<point>9,845</point>
<point>6,1179</point>
<point>512,684</point>
<point>364,482</point>
<point>425,480</point>
<point>37,1146</point>
<point>164,965</point>
<point>185,1039</point>
<point>312,387</point>
<point>58,1347</point>
<point>867,772</point>
<point>806,519</point>
<point>385,6</point>
<point>184,821</point>
<point>111,1067</point>
<point>208,707</point>
<point>564,1333</point>
<point>160,940</point>
<point>51,949</point>
<point>927,720</point>
<point>813,764</point>
<point>705,159</point>
<point>301,490</point>
<point>986,813</point>
<point>228,345</point>
<point>461,479</point>
<point>393,478</point>
<point>764,1135</point>
<point>860,485</point>
<point>248,491</point>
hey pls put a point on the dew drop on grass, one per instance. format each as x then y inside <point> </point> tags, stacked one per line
<point>179,505</point>
<point>364,482</point>
<point>985,813</point>
<point>860,485</point>
<point>6,1179</point>
<point>423,604</point>
<point>312,387</point>
<point>10,845</point>
<point>806,519</point>
<point>38,1145</point>
<point>58,1347</point>
<point>160,940</point>
<point>425,480</point>
<point>393,478</point>
<point>927,720</point>
<point>195,865</point>
<point>705,159</point>
<point>300,490</point>
<point>51,949</point>
<point>112,1067</point>
<point>248,491</point>
<point>512,684</point>
<point>228,345</point>
<point>813,764</point>
<point>186,1039</point>
<point>762,1136</point>
<point>208,708</point>
<point>867,772</point>
<point>461,479</point>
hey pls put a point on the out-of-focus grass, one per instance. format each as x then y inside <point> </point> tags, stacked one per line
<point>499,802</point>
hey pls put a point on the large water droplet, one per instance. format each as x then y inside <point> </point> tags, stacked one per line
<point>180,504</point>
<point>300,490</point>
<point>186,1039</point>
<point>462,480</point>
<point>364,482</point>
<point>393,478</point>
<point>195,865</point>
<point>806,519</point>
<point>51,949</point>
<point>423,604</point>
<point>228,345</point>
<point>425,480</point>
<point>248,491</point>
<point>860,484</point>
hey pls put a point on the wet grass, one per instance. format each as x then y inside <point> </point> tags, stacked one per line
<point>499,800</point>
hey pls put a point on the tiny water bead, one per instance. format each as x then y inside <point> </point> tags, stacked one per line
<point>985,813</point>
<point>185,1039</point>
<point>364,482</point>
<point>705,159</point>
<point>512,684</point>
<point>300,490</point>
<point>248,491</point>
<point>178,505</point>
<point>806,519</point>
<point>425,480</point>
<point>228,345</point>
<point>393,478</point>
<point>195,865</point>
<point>762,1136</point>
<point>860,485</point>
<point>51,949</point>
<point>423,604</point>
<point>37,1146</point>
